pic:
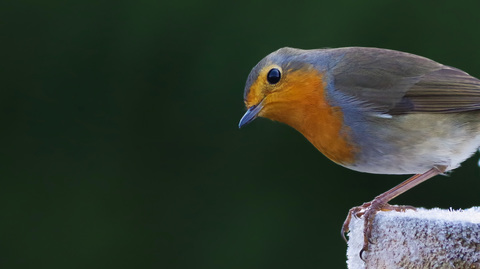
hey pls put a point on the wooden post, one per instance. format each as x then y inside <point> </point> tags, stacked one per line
<point>434,238</point>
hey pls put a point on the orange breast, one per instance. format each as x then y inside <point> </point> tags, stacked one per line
<point>301,103</point>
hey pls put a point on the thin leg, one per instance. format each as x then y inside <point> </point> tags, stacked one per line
<point>370,209</point>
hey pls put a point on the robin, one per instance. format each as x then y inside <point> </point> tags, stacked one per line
<point>371,110</point>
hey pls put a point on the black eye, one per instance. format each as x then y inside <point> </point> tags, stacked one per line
<point>273,76</point>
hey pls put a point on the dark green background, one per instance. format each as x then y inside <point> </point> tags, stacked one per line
<point>119,144</point>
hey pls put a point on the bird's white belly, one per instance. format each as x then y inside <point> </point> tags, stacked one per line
<point>416,143</point>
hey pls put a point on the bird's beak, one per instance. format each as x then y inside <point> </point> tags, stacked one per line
<point>250,115</point>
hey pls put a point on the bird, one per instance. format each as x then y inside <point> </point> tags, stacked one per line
<point>372,110</point>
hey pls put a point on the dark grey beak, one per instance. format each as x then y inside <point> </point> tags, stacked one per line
<point>250,115</point>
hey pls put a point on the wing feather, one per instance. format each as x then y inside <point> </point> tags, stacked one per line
<point>395,82</point>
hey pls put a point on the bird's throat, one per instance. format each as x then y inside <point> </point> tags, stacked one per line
<point>307,110</point>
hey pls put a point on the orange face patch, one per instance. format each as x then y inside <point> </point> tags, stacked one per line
<point>260,87</point>
<point>299,101</point>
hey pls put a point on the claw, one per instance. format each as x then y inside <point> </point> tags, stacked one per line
<point>380,203</point>
<point>343,232</point>
<point>361,255</point>
<point>345,227</point>
<point>368,212</point>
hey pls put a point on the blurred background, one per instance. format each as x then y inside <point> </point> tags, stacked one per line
<point>119,145</point>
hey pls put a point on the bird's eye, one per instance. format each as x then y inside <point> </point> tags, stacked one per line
<point>273,76</point>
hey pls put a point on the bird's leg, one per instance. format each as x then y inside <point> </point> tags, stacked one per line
<point>380,203</point>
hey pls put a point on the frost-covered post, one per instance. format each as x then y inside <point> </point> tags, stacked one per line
<point>424,238</point>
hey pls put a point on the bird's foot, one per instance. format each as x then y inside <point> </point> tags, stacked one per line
<point>368,211</point>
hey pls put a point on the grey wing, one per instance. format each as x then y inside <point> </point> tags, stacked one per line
<point>394,82</point>
<point>443,91</point>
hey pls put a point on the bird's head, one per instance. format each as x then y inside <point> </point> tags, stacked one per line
<point>290,86</point>
<point>282,86</point>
